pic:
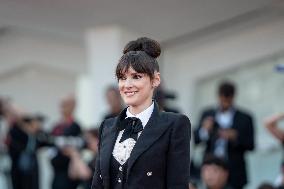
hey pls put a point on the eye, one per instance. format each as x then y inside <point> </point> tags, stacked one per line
<point>122,78</point>
<point>137,76</point>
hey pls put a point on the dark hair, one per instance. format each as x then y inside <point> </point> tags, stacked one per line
<point>226,89</point>
<point>213,160</point>
<point>33,117</point>
<point>141,55</point>
<point>265,186</point>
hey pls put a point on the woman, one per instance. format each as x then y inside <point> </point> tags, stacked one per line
<point>142,148</point>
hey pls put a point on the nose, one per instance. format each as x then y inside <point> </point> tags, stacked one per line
<point>128,83</point>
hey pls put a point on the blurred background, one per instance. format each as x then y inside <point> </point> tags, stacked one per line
<point>50,49</point>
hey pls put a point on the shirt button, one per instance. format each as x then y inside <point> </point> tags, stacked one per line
<point>119,180</point>
<point>149,174</point>
<point>120,168</point>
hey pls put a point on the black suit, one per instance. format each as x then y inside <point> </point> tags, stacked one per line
<point>60,162</point>
<point>243,124</point>
<point>18,141</point>
<point>162,150</point>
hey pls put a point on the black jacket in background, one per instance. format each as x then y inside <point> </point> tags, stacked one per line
<point>61,162</point>
<point>243,124</point>
<point>18,140</point>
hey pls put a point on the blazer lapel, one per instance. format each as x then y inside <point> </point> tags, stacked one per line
<point>152,131</point>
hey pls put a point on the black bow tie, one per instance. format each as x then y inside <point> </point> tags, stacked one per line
<point>132,126</point>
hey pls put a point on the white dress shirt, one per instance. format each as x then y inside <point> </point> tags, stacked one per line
<point>121,151</point>
<point>225,121</point>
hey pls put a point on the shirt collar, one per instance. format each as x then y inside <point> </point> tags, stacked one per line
<point>144,116</point>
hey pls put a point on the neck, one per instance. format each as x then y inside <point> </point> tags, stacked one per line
<point>140,108</point>
<point>223,109</point>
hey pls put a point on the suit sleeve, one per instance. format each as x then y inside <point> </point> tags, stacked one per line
<point>97,182</point>
<point>178,157</point>
<point>245,139</point>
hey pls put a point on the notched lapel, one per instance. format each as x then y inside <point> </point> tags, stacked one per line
<point>155,127</point>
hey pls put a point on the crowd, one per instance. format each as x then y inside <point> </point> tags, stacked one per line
<point>22,135</point>
<point>226,131</point>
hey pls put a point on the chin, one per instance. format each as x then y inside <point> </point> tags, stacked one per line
<point>130,102</point>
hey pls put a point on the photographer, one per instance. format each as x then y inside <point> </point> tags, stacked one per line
<point>61,155</point>
<point>23,146</point>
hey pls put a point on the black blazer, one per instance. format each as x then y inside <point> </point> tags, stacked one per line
<point>159,159</point>
<point>60,162</point>
<point>243,124</point>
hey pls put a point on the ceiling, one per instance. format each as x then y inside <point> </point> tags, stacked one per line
<point>161,19</point>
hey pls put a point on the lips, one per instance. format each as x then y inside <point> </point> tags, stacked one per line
<point>130,93</point>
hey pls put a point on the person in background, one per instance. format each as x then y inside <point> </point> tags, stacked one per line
<point>215,173</point>
<point>227,133</point>
<point>92,141</point>
<point>23,146</point>
<point>114,102</point>
<point>272,125</point>
<point>5,163</point>
<point>266,186</point>
<point>66,127</point>
<point>161,97</point>
<point>78,168</point>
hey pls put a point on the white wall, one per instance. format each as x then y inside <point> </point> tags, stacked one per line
<point>105,46</point>
<point>37,70</point>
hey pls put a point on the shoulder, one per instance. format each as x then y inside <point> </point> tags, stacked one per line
<point>208,111</point>
<point>179,127</point>
<point>107,123</point>
<point>243,113</point>
<point>175,118</point>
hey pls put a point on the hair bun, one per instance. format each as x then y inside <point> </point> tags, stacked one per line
<point>149,46</point>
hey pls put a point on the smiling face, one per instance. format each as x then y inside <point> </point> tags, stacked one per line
<point>136,89</point>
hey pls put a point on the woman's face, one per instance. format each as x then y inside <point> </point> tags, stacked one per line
<point>136,89</point>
